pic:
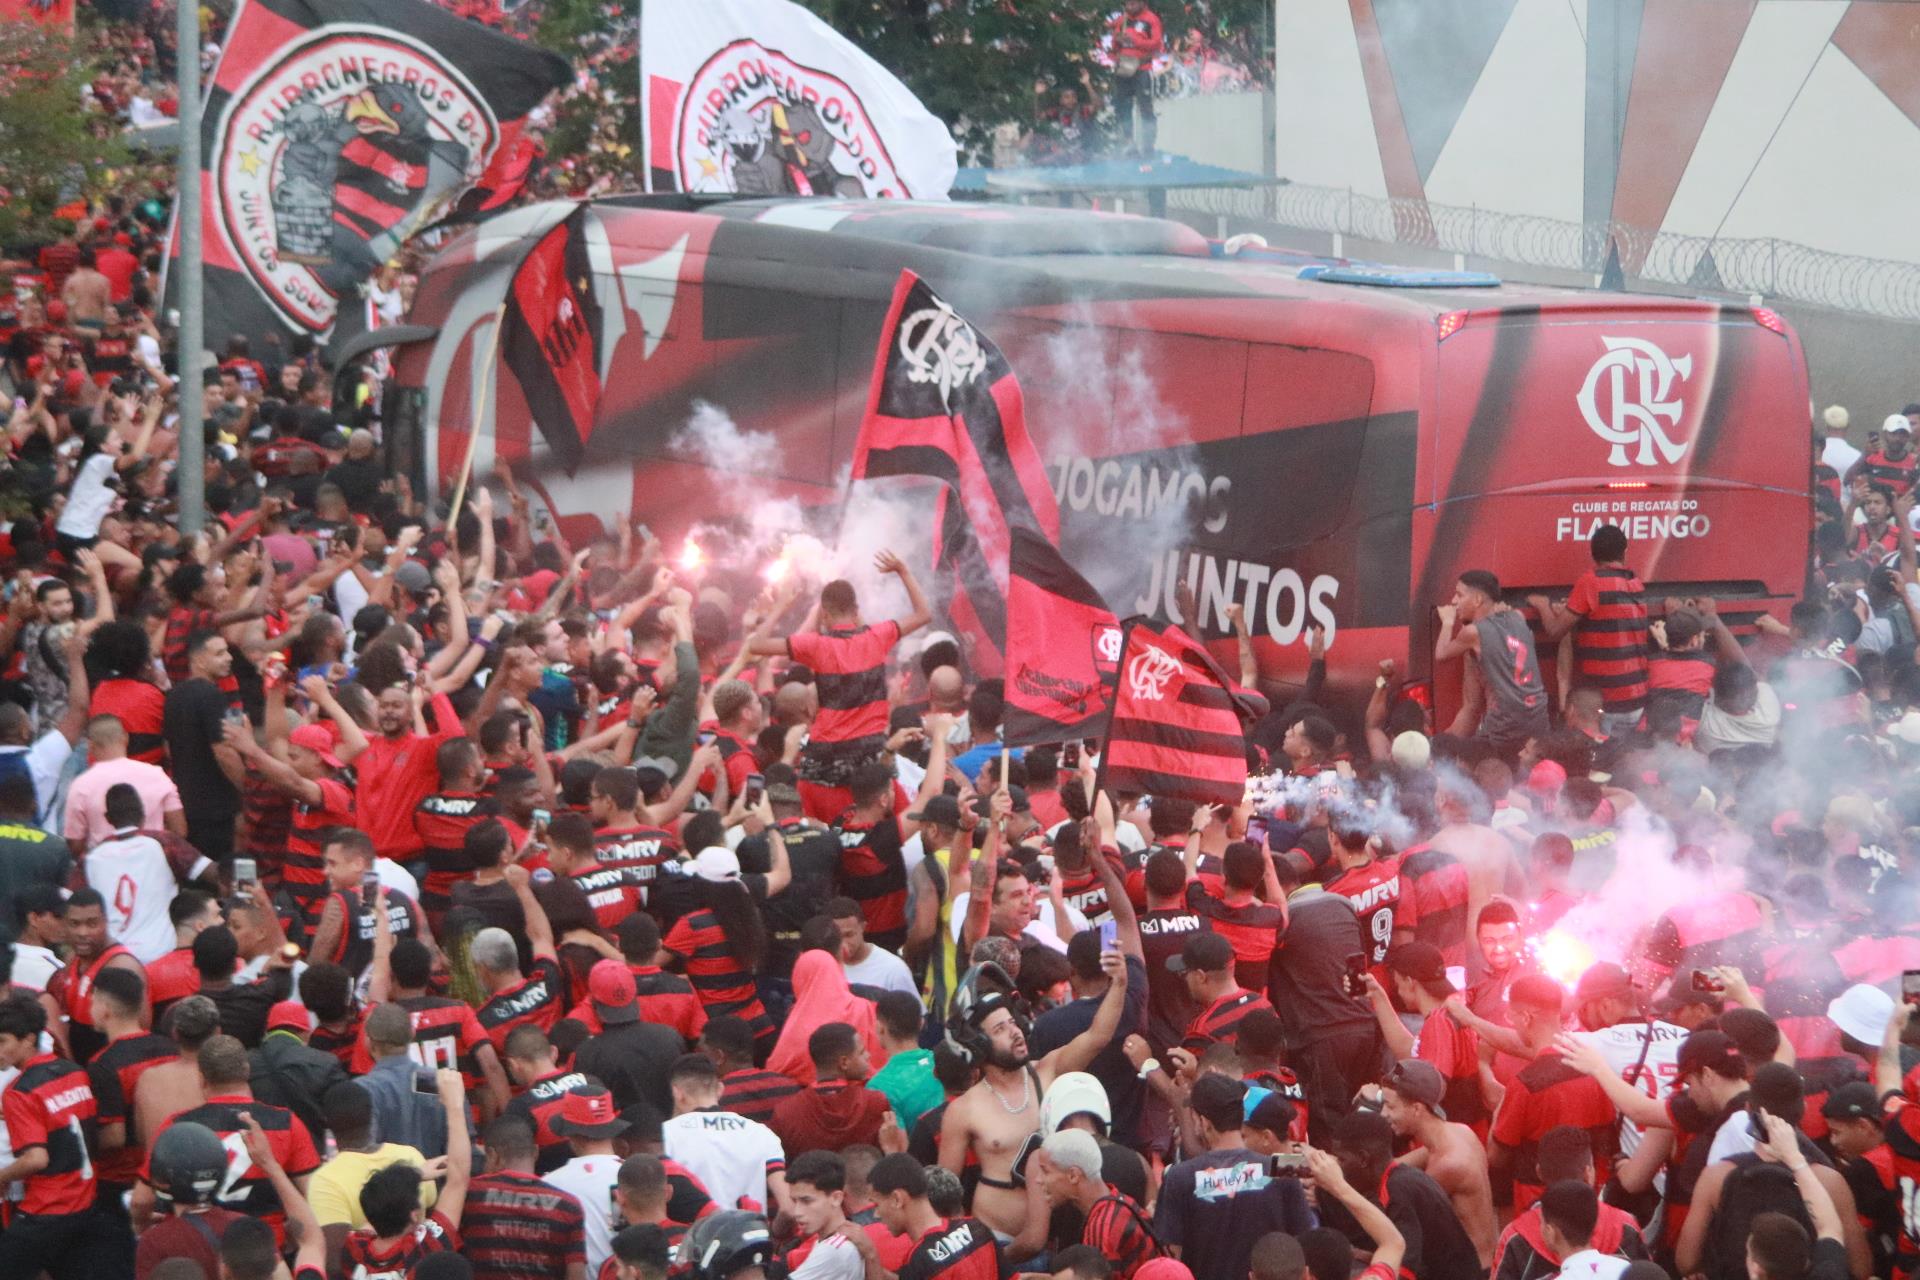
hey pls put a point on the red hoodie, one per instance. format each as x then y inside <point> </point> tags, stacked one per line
<point>829,1117</point>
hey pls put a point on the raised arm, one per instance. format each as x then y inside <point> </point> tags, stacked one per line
<point>453,1098</point>
<point>1453,641</point>
<point>313,1242</point>
<point>539,930</point>
<point>240,740</point>
<point>1077,1053</point>
<point>919,615</point>
<point>1389,1246</point>
<point>1243,645</point>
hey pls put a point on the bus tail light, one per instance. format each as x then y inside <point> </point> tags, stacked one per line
<point>1450,323</point>
<point>1767,318</point>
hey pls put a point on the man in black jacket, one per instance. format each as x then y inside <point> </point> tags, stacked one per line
<point>288,1072</point>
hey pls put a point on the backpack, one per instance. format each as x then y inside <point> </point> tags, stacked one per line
<point>1753,1188</point>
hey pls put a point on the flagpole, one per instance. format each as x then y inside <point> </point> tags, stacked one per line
<point>482,384</point>
<point>191,334</point>
<point>1106,739</point>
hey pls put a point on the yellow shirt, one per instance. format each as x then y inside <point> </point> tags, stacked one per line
<point>334,1190</point>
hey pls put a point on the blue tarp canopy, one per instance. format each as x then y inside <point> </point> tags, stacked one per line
<point>1117,173</point>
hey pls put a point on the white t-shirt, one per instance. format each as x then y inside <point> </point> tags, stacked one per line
<point>46,761</point>
<point>1733,1138</point>
<point>33,967</point>
<point>881,969</point>
<point>590,1180</point>
<point>1839,454</point>
<point>831,1258</point>
<point>1591,1264</point>
<point>89,500</point>
<point>1621,1044</point>
<point>132,873</point>
<point>1040,928</point>
<point>731,1154</point>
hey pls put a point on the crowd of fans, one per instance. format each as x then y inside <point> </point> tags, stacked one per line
<point>391,895</point>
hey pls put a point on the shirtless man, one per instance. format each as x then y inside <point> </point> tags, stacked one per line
<point>1450,1154</point>
<point>1487,855</point>
<point>87,293</point>
<point>172,1087</point>
<point>995,1117</point>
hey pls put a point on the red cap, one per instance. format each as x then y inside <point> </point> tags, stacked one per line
<point>102,224</point>
<point>588,1113</point>
<point>35,364</point>
<point>289,1015</point>
<point>71,384</point>
<point>56,312</point>
<point>122,239</point>
<point>316,739</point>
<point>1547,778</point>
<point>610,987</point>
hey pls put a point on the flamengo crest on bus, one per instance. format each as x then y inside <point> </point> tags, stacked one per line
<point>941,348</point>
<point>1635,416</point>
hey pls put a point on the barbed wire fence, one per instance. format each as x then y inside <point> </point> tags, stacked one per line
<point>1772,268</point>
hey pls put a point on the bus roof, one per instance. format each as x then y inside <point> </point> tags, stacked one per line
<point>1157,257</point>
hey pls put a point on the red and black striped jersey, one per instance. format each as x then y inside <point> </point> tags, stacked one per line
<point>1903,1143</point>
<point>1546,1094</point>
<point>1379,901</point>
<point>1437,883</point>
<point>113,1073</point>
<point>721,981</point>
<point>1221,1019</point>
<point>171,978</point>
<point>445,1034</point>
<point>668,999</point>
<point>1896,474</point>
<point>1118,1228</point>
<point>50,1105</point>
<point>1084,891</point>
<point>961,1249</point>
<point>442,821</point>
<point>539,1103</point>
<point>303,874</point>
<point>611,893</point>
<point>517,1227</point>
<point>141,708</point>
<point>339,1041</point>
<point>537,1000</point>
<point>850,674</point>
<point>247,1189</point>
<point>353,951</point>
<point>874,874</point>
<point>639,851</point>
<point>753,1093</point>
<point>72,988</point>
<point>1252,926</point>
<point>1610,640</point>
<point>368,1259</point>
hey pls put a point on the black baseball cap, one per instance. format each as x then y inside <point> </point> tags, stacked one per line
<point>1202,953</point>
<point>1418,961</point>
<point>1709,1047</point>
<point>942,810</point>
<point>1854,1101</point>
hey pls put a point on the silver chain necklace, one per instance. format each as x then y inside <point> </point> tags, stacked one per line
<point>1026,1095</point>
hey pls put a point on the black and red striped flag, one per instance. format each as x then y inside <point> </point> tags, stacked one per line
<point>335,129</point>
<point>1063,647</point>
<point>944,405</point>
<point>1178,727</point>
<point>550,338</point>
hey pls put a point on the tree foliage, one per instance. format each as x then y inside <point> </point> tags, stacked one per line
<point>974,63</point>
<point>51,151</point>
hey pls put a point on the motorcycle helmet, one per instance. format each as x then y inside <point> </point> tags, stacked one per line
<point>981,990</point>
<point>188,1164</point>
<point>722,1245</point>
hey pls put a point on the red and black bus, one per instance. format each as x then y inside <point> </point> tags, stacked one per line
<point>1317,441</point>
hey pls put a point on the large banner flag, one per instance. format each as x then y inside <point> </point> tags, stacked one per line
<point>550,338</point>
<point>335,129</point>
<point>761,98</point>
<point>944,405</point>
<point>1178,728</point>
<point>1063,648</point>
